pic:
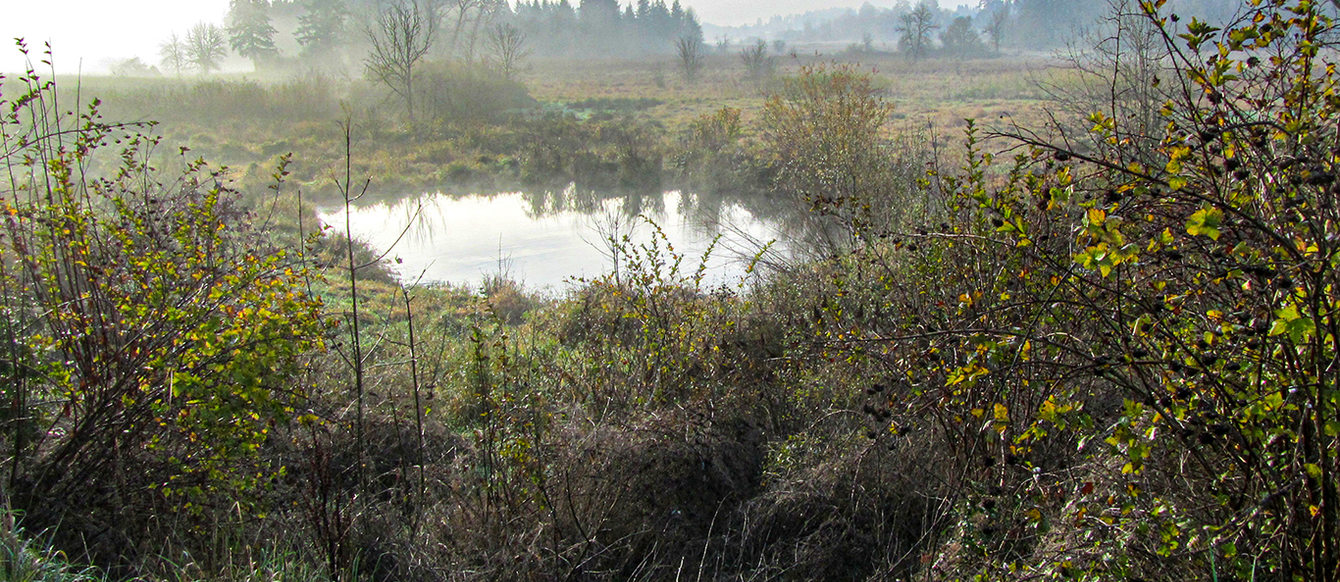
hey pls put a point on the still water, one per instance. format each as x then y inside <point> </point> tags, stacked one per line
<point>545,239</point>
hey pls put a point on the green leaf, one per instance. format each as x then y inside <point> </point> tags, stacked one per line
<point>1293,324</point>
<point>1205,222</point>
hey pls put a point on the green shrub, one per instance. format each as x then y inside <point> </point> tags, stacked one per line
<point>151,328</point>
<point>1124,362</point>
<point>822,133</point>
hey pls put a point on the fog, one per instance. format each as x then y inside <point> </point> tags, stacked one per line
<point>88,35</point>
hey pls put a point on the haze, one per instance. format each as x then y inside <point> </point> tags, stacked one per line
<point>87,35</point>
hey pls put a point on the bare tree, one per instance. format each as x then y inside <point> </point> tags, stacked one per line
<point>1123,60</point>
<point>508,45</point>
<point>400,39</point>
<point>206,45</point>
<point>997,23</point>
<point>758,65</point>
<point>690,52</point>
<point>466,18</point>
<point>917,25</point>
<point>173,54</point>
<point>488,12</point>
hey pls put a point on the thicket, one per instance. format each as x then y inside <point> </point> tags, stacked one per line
<point>150,334</point>
<point>1125,361</point>
<point>1078,364</point>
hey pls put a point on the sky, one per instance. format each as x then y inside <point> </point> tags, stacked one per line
<point>88,34</point>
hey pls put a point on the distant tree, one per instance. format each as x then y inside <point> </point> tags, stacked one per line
<point>598,14</point>
<point>689,26</point>
<point>249,30</point>
<point>206,46</point>
<point>758,65</point>
<point>916,28</point>
<point>508,47</point>
<point>400,39</point>
<point>321,26</point>
<point>659,26</point>
<point>174,55</point>
<point>466,17</point>
<point>488,12</point>
<point>691,57</point>
<point>960,39</point>
<point>599,23</point>
<point>132,67</point>
<point>1053,22</point>
<point>997,21</point>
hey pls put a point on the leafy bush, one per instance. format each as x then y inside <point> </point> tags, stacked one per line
<point>151,329</point>
<point>1125,363</point>
<point>759,66</point>
<point>822,132</point>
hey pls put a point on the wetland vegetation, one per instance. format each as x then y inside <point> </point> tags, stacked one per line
<point>993,313</point>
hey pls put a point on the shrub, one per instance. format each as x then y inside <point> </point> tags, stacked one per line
<point>151,329</point>
<point>822,133</point>
<point>1125,360</point>
<point>759,66</point>
<point>458,93</point>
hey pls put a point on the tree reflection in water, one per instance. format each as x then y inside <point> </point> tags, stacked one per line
<point>544,237</point>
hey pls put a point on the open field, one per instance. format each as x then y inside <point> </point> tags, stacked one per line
<point>246,123</point>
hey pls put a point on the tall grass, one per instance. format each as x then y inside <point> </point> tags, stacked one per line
<point>27,557</point>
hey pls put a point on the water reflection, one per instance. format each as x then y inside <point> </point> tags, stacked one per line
<point>544,238</point>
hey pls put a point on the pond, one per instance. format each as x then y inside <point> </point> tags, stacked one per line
<point>547,238</point>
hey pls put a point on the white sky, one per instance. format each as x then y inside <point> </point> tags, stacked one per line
<point>96,32</point>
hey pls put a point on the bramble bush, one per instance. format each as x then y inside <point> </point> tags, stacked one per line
<point>150,329</point>
<point>1130,365</point>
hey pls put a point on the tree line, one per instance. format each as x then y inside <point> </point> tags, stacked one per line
<point>274,33</point>
<point>597,27</point>
<point>925,27</point>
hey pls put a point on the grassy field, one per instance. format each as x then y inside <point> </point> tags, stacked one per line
<point>248,122</point>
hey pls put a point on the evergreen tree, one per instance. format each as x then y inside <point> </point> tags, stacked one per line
<point>321,26</point>
<point>689,26</point>
<point>598,13</point>
<point>249,30</point>
<point>599,21</point>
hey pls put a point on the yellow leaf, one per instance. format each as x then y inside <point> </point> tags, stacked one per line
<point>1096,216</point>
